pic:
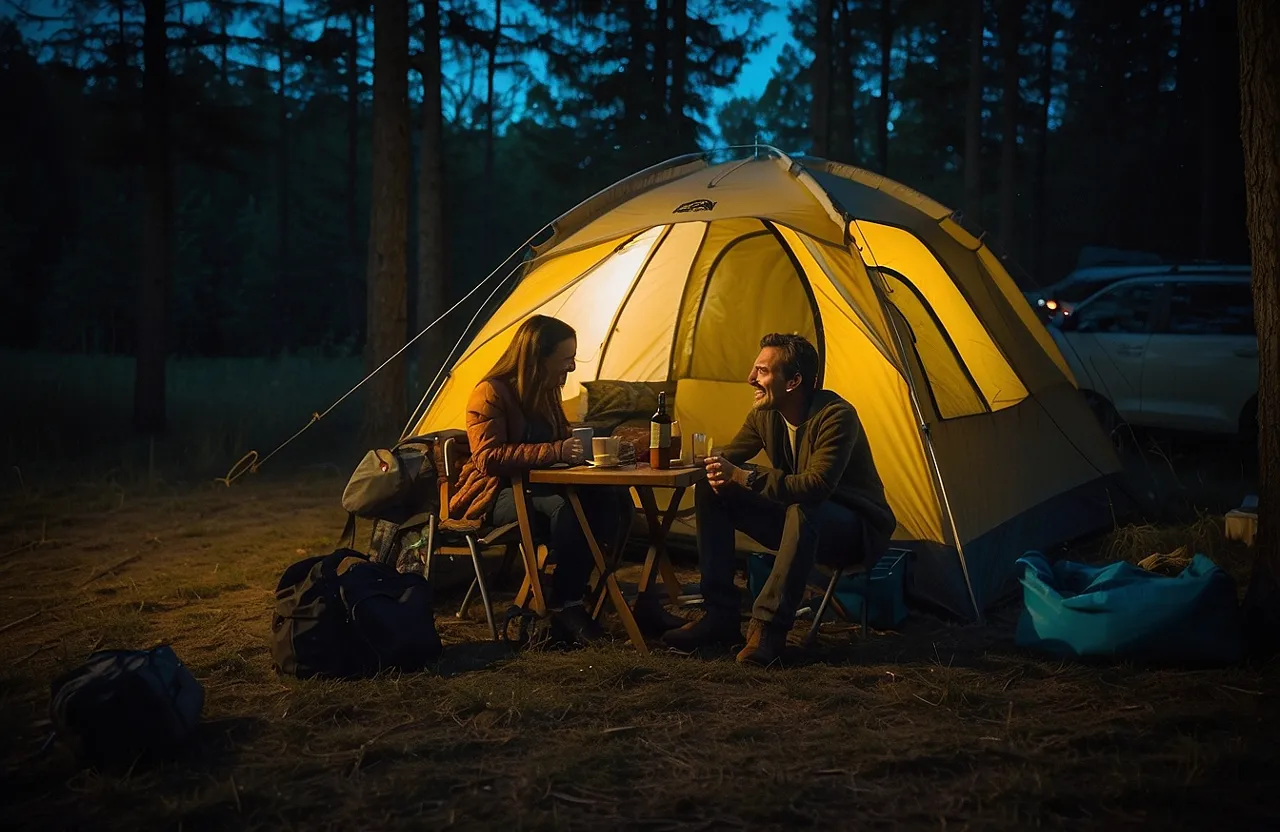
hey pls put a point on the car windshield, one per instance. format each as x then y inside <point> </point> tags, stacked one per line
<point>1078,290</point>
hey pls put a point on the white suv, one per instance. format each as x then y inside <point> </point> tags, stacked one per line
<point>1067,293</point>
<point>1168,351</point>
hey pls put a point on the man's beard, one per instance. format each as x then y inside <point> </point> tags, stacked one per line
<point>762,402</point>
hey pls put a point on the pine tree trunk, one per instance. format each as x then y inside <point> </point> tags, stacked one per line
<point>1209,76</point>
<point>820,112</point>
<point>494,39</point>
<point>122,61</point>
<point>282,171</point>
<point>385,409</point>
<point>224,42</point>
<point>356,293</point>
<point>431,239</point>
<point>886,66</point>
<point>1182,62</point>
<point>661,64</point>
<point>679,81</point>
<point>124,93</point>
<point>638,105</point>
<point>1048,35</point>
<point>1011,99</point>
<point>973,121</point>
<point>1259,28</point>
<point>843,89</point>
<point>157,256</point>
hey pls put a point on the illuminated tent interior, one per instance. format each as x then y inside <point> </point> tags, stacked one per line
<point>984,444</point>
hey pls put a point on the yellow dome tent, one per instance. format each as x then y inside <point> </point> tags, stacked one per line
<point>984,444</point>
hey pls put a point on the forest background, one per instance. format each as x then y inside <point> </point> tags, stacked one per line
<point>1065,124</point>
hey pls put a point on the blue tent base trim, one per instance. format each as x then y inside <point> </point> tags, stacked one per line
<point>1119,611</point>
<point>936,581</point>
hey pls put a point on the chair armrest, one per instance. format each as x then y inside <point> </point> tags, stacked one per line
<point>446,490</point>
<point>445,494</point>
<point>448,463</point>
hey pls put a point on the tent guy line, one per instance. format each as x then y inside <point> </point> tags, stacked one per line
<point>250,462</point>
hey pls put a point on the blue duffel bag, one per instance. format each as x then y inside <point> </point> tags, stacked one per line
<point>1118,610</point>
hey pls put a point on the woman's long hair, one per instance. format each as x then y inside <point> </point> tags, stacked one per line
<point>523,367</point>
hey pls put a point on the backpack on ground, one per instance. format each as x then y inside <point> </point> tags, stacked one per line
<point>123,705</point>
<point>355,622</point>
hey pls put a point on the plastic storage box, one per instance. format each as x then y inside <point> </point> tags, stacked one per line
<point>882,587</point>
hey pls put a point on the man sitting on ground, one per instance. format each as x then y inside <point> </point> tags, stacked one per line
<point>821,500</point>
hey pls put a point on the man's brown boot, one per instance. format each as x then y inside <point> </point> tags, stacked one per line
<point>765,644</point>
<point>714,628</point>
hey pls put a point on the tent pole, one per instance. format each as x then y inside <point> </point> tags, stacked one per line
<point>924,431</point>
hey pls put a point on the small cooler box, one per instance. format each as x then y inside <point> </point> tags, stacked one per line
<point>881,587</point>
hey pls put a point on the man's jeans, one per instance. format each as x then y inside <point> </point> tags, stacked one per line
<point>801,535</point>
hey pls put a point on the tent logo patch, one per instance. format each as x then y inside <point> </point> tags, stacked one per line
<point>695,205</point>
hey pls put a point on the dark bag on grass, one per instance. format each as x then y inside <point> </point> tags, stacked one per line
<point>344,624</point>
<point>122,705</point>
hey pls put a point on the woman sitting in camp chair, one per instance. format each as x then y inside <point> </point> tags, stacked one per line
<point>514,423</point>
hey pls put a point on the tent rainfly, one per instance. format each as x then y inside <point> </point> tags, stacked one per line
<point>985,446</point>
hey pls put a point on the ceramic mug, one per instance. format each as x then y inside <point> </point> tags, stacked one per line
<point>604,450</point>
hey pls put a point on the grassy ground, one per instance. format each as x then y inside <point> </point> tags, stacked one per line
<point>108,542</point>
<point>934,726</point>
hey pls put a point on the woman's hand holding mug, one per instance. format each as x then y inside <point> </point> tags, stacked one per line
<point>572,451</point>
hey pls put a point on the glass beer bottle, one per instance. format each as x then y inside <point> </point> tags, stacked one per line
<point>660,435</point>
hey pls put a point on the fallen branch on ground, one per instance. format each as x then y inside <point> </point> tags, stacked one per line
<point>95,576</point>
<point>12,624</point>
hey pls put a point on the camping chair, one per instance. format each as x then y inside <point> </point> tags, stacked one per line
<point>829,599</point>
<point>829,596</point>
<point>492,540</point>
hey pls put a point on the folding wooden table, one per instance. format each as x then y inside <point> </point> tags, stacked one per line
<point>643,479</point>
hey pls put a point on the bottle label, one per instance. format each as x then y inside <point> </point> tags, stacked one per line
<point>659,435</point>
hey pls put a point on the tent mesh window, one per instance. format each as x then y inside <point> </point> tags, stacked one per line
<point>951,386</point>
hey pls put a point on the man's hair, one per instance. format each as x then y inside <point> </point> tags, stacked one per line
<point>799,357</point>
